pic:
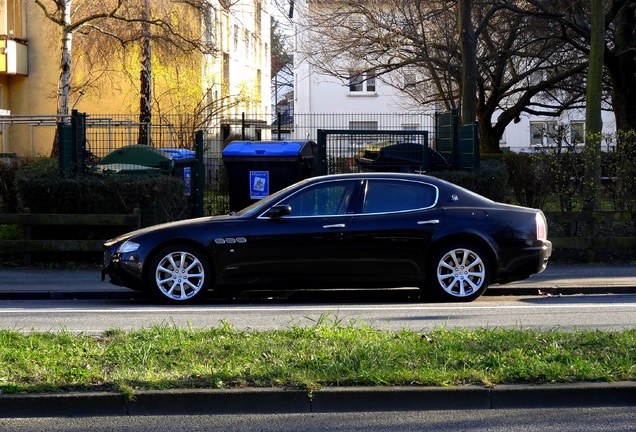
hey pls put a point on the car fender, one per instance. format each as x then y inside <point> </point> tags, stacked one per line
<point>468,235</point>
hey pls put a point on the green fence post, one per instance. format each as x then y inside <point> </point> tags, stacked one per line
<point>199,175</point>
<point>65,138</point>
<point>321,153</point>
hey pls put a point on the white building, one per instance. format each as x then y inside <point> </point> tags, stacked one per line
<point>318,93</point>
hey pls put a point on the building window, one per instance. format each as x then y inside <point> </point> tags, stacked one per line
<point>12,19</point>
<point>536,134</point>
<point>410,126</point>
<point>543,133</point>
<point>553,133</point>
<point>362,83</point>
<point>410,80</point>
<point>225,78</point>
<point>364,125</point>
<point>577,132</point>
<point>358,141</point>
<point>258,12</point>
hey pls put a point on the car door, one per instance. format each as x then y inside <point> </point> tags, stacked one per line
<point>307,244</point>
<point>391,231</point>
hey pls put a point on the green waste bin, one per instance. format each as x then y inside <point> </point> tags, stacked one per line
<point>137,159</point>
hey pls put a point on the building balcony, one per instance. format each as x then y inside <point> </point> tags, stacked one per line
<point>13,57</point>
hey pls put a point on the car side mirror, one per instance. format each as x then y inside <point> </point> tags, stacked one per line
<point>279,211</point>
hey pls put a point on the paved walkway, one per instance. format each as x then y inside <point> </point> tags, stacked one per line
<point>33,283</point>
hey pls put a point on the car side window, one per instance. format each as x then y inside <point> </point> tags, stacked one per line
<point>324,199</point>
<point>383,196</point>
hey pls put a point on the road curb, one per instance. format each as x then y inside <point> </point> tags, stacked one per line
<point>342,399</point>
<point>564,395</point>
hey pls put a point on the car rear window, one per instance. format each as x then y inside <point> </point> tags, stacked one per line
<point>383,196</point>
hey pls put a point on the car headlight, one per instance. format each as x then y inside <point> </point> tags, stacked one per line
<point>128,246</point>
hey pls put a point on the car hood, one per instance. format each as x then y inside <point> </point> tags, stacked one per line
<point>168,226</point>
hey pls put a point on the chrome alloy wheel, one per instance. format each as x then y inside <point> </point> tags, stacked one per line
<point>180,275</point>
<point>461,272</point>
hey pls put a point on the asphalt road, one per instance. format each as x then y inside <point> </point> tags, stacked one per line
<point>590,312</point>
<point>563,297</point>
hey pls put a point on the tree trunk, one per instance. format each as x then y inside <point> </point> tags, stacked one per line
<point>468,46</point>
<point>489,137</point>
<point>593,112</point>
<point>64,83</point>
<point>145,104</point>
<point>622,69</point>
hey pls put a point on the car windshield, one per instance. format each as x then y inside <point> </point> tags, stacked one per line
<point>258,206</point>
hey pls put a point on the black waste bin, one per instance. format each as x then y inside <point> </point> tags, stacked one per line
<point>257,169</point>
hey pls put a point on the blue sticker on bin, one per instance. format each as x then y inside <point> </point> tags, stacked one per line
<point>259,184</point>
<point>187,180</point>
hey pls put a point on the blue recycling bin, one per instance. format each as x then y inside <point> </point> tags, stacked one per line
<point>257,169</point>
<point>184,165</point>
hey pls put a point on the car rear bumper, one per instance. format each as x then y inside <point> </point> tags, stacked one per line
<point>528,261</point>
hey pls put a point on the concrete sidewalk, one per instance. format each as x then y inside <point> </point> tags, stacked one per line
<point>33,283</point>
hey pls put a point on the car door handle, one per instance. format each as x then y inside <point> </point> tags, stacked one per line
<point>336,226</point>
<point>428,222</point>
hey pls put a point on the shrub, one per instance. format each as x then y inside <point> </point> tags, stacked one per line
<point>9,166</point>
<point>527,180</point>
<point>41,189</point>
<point>490,179</point>
<point>619,171</point>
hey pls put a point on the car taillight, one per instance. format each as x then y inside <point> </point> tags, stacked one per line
<point>542,228</point>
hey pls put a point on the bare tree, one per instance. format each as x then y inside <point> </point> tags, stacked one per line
<point>521,67</point>
<point>468,49</point>
<point>282,60</point>
<point>111,23</point>
<point>71,20</point>
<point>572,22</point>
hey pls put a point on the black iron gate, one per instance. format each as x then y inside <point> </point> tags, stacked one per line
<point>344,150</point>
<point>458,143</point>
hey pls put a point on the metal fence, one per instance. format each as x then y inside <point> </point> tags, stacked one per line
<point>303,127</point>
<point>106,133</point>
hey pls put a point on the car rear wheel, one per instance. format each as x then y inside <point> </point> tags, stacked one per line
<point>461,272</point>
<point>179,274</point>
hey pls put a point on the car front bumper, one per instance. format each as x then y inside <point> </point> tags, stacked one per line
<point>122,270</point>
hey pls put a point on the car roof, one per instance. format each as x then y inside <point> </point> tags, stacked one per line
<point>370,175</point>
<point>467,197</point>
<point>379,175</point>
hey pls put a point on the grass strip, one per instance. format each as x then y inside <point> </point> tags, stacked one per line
<point>326,354</point>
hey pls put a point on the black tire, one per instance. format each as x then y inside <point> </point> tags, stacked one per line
<point>459,273</point>
<point>179,274</point>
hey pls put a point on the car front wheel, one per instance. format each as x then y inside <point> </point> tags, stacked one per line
<point>460,273</point>
<point>179,274</point>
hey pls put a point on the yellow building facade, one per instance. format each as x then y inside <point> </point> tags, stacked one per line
<point>234,78</point>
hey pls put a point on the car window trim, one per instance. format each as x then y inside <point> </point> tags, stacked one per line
<point>364,193</point>
<point>355,196</point>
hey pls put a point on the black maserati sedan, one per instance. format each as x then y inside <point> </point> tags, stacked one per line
<point>364,230</point>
